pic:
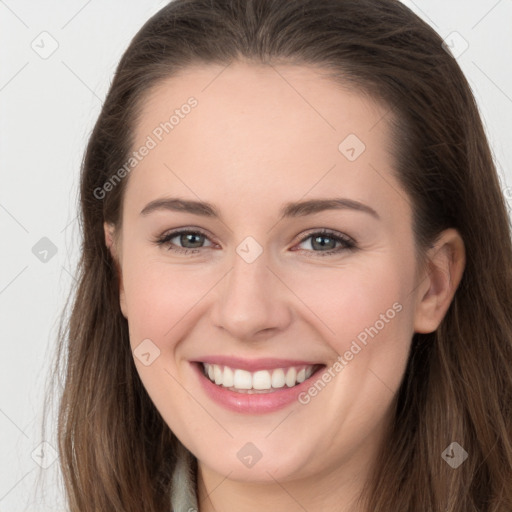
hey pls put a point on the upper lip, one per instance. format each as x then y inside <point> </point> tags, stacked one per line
<point>251,365</point>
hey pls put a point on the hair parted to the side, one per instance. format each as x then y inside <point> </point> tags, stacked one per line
<point>116,452</point>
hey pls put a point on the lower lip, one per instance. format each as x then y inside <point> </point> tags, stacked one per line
<point>254,403</point>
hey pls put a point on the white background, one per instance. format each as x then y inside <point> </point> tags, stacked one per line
<point>48,108</point>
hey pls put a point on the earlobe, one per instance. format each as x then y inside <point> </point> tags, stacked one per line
<point>445,267</point>
<point>109,230</point>
<point>110,241</point>
<point>122,299</point>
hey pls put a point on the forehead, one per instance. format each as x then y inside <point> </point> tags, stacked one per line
<point>259,131</point>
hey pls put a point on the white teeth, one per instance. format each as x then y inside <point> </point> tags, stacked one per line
<point>259,380</point>
<point>228,379</point>
<point>217,373</point>
<point>291,377</point>
<point>278,378</point>
<point>242,379</point>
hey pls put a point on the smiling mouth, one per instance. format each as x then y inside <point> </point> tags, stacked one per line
<point>261,381</point>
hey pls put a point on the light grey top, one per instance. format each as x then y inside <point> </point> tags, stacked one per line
<point>183,496</point>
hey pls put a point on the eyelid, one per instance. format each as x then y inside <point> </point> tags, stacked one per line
<point>325,231</point>
<point>186,229</point>
<point>164,239</point>
<point>348,243</point>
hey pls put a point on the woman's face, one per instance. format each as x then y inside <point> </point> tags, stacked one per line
<point>302,261</point>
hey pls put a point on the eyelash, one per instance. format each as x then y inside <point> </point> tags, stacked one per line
<point>348,243</point>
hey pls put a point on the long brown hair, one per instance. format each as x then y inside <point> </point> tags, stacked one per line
<point>116,452</point>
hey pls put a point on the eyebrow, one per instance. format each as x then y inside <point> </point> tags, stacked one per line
<point>289,210</point>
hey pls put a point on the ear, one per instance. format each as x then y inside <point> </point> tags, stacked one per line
<point>111,242</point>
<point>446,261</point>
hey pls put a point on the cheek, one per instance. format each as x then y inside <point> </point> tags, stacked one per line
<point>365,314</point>
<point>160,297</point>
<point>355,302</point>
<point>344,304</point>
<point>162,300</point>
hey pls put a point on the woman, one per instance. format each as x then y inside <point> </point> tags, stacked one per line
<point>215,360</point>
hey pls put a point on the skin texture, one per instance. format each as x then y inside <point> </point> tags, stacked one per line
<point>258,138</point>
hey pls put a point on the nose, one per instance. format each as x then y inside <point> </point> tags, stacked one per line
<point>252,302</point>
